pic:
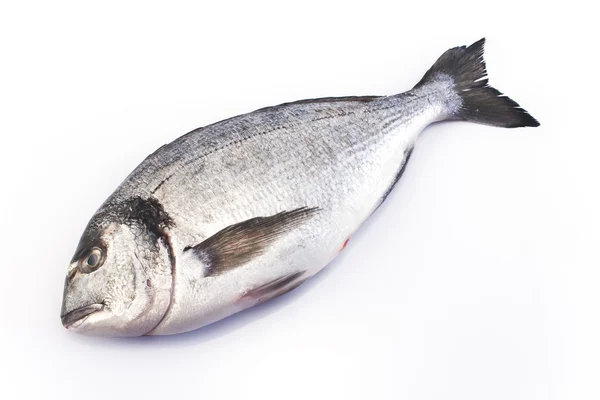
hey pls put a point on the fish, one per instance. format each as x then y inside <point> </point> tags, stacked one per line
<point>239,212</point>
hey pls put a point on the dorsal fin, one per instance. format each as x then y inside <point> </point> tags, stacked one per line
<point>358,99</point>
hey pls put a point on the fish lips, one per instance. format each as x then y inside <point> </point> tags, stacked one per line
<point>76,317</point>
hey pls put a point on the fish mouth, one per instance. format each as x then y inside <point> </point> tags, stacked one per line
<point>74,318</point>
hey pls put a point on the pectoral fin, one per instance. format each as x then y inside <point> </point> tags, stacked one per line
<point>239,243</point>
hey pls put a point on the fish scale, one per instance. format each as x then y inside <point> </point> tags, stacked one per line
<point>246,209</point>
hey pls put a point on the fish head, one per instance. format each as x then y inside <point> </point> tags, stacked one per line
<point>119,280</point>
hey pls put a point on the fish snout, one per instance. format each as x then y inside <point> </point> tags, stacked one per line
<point>76,304</point>
<point>76,317</point>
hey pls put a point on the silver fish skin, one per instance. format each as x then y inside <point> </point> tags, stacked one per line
<point>246,209</point>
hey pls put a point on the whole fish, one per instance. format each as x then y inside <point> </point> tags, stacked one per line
<point>246,209</point>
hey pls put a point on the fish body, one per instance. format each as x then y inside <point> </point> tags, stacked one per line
<point>246,209</point>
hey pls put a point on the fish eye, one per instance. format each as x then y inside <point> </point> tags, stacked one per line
<point>92,261</point>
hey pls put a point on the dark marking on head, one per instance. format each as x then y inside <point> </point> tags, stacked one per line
<point>147,212</point>
<point>240,243</point>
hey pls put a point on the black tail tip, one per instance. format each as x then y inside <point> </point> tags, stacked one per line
<point>479,102</point>
<point>527,120</point>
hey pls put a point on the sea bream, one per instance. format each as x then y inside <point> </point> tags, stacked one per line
<point>246,209</point>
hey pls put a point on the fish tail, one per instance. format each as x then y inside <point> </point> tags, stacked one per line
<point>470,97</point>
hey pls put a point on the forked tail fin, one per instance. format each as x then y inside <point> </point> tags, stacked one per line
<point>476,101</point>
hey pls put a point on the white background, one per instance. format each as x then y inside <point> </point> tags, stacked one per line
<point>478,279</point>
